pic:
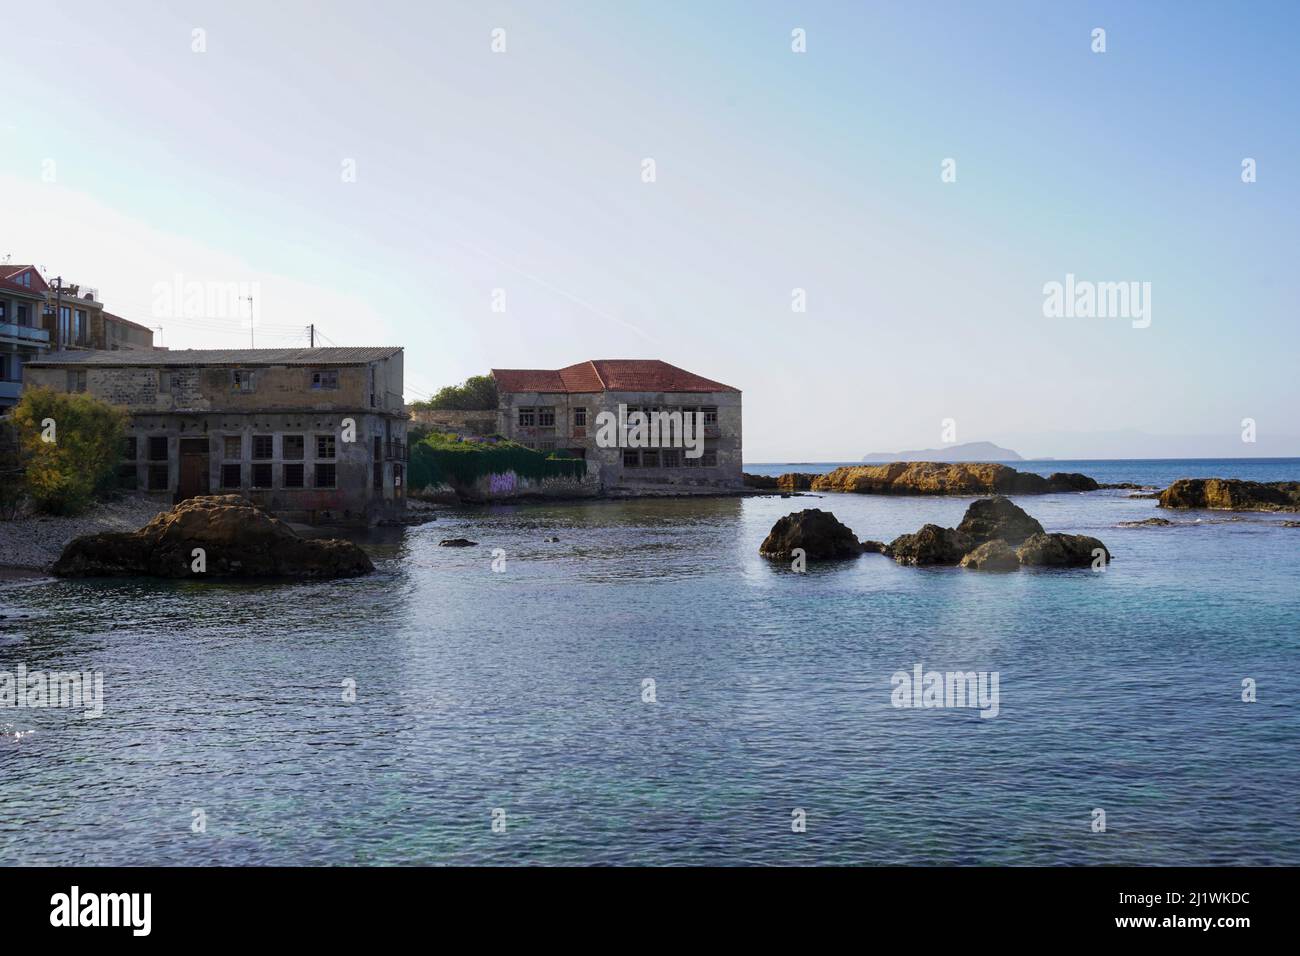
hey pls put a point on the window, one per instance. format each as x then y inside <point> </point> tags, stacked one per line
<point>709,459</point>
<point>710,416</point>
<point>164,382</point>
<point>3,305</point>
<point>650,458</point>
<point>263,447</point>
<point>231,476</point>
<point>378,480</point>
<point>291,447</point>
<point>631,458</point>
<point>157,477</point>
<point>325,475</point>
<point>325,447</point>
<point>76,380</point>
<point>672,458</point>
<point>241,380</point>
<point>262,475</point>
<point>293,476</point>
<point>325,378</point>
<point>79,332</point>
<point>22,314</point>
<point>126,476</point>
<point>157,447</point>
<point>579,418</point>
<point>527,417</point>
<point>232,446</point>
<point>397,478</point>
<point>546,416</point>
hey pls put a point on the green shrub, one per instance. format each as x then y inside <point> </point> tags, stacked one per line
<point>439,459</point>
<point>476,393</point>
<point>69,446</point>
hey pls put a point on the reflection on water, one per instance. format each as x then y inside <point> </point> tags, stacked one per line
<point>521,690</point>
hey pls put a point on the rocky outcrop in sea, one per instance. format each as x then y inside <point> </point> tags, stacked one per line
<point>995,534</point>
<point>217,536</point>
<point>1232,494</point>
<point>819,533</point>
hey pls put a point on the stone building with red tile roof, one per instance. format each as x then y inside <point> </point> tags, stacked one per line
<point>563,410</point>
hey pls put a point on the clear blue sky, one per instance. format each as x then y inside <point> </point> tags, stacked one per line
<point>775,171</point>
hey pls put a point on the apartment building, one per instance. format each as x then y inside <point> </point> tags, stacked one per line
<point>23,338</point>
<point>314,435</point>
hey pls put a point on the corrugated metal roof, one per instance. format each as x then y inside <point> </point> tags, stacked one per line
<point>246,357</point>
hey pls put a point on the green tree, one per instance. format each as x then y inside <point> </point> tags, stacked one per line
<point>70,446</point>
<point>476,393</point>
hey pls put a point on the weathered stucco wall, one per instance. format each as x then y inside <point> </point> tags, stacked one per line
<point>723,440</point>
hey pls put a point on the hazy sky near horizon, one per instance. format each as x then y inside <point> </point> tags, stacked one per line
<point>775,171</point>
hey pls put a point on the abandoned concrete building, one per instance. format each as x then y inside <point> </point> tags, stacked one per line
<point>314,435</point>
<point>560,410</point>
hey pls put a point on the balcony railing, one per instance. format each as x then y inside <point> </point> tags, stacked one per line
<point>10,389</point>
<point>395,451</point>
<point>24,333</point>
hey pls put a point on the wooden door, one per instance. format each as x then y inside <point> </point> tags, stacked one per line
<point>194,468</point>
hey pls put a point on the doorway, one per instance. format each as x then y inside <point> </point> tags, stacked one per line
<point>194,479</point>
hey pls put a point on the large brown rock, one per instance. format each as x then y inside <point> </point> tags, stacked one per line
<point>766,482</point>
<point>992,556</point>
<point>931,545</point>
<point>991,518</point>
<point>819,533</point>
<point>1232,494</point>
<point>238,540</point>
<point>945,478</point>
<point>1060,550</point>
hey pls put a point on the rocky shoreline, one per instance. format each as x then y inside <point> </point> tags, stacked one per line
<point>34,542</point>
<point>927,478</point>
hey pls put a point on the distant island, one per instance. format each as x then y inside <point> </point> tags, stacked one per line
<point>970,451</point>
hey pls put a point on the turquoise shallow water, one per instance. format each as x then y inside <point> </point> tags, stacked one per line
<point>521,690</point>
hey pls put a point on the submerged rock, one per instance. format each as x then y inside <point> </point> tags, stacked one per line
<point>1232,494</point>
<point>237,539</point>
<point>995,555</point>
<point>992,518</point>
<point>931,545</point>
<point>1060,550</point>
<point>946,478</point>
<point>457,543</point>
<point>819,533</point>
<point>875,547</point>
<point>1146,523</point>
